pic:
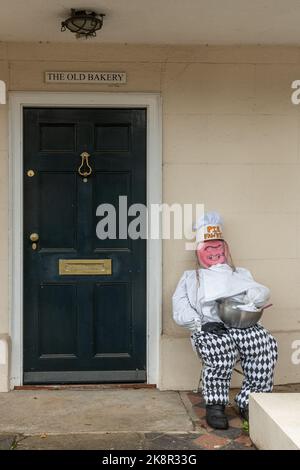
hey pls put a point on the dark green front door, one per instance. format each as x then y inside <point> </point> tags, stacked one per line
<point>82,322</point>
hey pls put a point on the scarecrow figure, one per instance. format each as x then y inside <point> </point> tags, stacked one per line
<point>196,306</point>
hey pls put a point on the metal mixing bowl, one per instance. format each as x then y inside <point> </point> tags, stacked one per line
<point>234,317</point>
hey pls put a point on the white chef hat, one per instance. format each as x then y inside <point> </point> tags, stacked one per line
<point>209,227</point>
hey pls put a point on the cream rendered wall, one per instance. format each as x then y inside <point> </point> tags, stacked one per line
<point>230,140</point>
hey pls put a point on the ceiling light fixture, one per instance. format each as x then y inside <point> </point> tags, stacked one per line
<point>83,23</point>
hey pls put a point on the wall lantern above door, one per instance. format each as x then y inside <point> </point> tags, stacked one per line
<point>83,23</point>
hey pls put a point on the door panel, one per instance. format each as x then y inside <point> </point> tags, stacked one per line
<point>57,137</point>
<point>82,327</point>
<point>112,314</point>
<point>57,222</point>
<point>112,137</point>
<point>57,306</point>
<point>110,185</point>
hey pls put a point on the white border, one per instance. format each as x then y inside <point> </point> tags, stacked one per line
<point>18,100</point>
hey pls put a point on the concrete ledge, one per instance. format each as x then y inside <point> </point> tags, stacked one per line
<point>2,92</point>
<point>181,366</point>
<point>274,420</point>
<point>4,362</point>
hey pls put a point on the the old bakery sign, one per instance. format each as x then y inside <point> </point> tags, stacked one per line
<point>86,77</point>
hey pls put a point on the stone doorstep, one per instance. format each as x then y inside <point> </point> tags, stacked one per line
<point>274,420</point>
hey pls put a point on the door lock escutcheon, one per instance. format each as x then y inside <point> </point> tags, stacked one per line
<point>34,237</point>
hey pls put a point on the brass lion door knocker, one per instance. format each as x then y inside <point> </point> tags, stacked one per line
<point>84,168</point>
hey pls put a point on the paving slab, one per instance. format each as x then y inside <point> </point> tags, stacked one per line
<point>180,441</point>
<point>98,441</point>
<point>110,441</point>
<point>7,441</point>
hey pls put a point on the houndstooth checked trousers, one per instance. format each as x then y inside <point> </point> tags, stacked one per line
<point>257,350</point>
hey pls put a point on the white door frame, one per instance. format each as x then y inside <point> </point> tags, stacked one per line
<point>19,100</point>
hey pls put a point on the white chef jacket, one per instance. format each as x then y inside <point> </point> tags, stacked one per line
<point>194,303</point>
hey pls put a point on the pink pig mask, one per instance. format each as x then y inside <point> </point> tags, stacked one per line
<point>212,252</point>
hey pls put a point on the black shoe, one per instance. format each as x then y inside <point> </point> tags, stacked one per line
<point>216,417</point>
<point>244,412</point>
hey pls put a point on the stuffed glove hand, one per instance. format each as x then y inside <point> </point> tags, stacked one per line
<point>257,296</point>
<point>214,327</point>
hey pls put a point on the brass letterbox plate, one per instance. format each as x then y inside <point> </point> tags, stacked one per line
<point>84,267</point>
